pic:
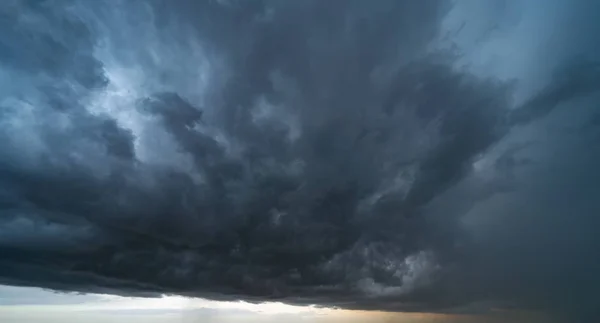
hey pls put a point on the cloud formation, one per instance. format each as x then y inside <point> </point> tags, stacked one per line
<point>337,153</point>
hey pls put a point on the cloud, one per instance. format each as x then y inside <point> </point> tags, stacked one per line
<point>310,152</point>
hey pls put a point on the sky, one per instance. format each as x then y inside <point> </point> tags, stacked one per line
<point>301,161</point>
<point>26,304</point>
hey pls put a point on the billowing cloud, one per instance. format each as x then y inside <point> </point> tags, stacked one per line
<point>339,153</point>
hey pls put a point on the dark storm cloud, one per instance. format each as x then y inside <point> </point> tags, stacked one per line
<point>313,152</point>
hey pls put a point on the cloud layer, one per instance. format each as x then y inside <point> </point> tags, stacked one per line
<point>335,153</point>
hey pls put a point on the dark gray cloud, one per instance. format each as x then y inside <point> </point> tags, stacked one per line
<point>315,152</point>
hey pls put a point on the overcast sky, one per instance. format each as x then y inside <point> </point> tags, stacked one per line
<point>426,161</point>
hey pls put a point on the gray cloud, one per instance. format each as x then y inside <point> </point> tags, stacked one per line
<point>312,152</point>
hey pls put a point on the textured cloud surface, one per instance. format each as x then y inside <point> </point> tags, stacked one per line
<point>390,155</point>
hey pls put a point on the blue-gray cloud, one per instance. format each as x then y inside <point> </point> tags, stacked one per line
<point>338,153</point>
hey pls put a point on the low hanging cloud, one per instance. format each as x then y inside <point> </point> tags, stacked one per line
<point>336,153</point>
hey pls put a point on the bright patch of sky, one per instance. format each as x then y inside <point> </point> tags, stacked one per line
<point>27,304</point>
